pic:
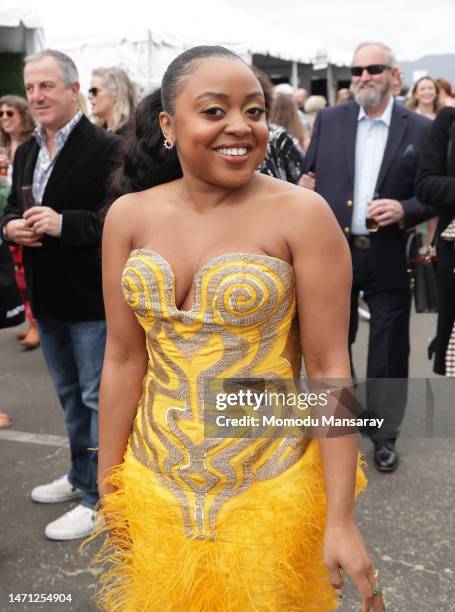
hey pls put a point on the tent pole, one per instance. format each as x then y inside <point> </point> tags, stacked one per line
<point>294,75</point>
<point>330,85</point>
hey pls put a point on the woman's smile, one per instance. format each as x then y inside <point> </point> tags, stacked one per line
<point>235,154</point>
<point>219,123</point>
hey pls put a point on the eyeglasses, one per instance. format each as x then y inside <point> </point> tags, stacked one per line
<point>93,91</point>
<point>372,69</point>
<point>8,113</point>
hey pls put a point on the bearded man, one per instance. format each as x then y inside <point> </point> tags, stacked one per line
<point>363,159</point>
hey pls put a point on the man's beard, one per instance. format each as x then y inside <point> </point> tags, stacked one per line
<point>369,97</point>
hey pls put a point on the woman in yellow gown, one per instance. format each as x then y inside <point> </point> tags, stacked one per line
<point>213,271</point>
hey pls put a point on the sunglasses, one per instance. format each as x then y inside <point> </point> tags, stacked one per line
<point>93,91</point>
<point>372,69</point>
<point>8,113</point>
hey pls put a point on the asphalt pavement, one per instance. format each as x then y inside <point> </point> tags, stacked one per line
<point>407,518</point>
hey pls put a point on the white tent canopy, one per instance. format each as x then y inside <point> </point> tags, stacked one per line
<point>20,28</point>
<point>146,36</point>
<point>144,40</point>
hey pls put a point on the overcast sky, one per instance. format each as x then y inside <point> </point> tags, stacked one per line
<point>413,28</point>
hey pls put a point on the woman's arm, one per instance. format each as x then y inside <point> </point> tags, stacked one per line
<point>323,271</point>
<point>125,359</point>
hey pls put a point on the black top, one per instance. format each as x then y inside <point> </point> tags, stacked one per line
<point>284,157</point>
<point>64,275</point>
<point>435,183</point>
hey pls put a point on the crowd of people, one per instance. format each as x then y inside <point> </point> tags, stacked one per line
<point>231,209</point>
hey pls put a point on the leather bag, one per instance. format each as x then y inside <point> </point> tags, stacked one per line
<point>421,263</point>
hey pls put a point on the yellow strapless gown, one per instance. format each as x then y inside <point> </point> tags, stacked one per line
<point>232,525</point>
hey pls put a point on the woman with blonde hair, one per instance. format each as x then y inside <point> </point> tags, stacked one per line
<point>312,106</point>
<point>424,97</point>
<point>113,97</point>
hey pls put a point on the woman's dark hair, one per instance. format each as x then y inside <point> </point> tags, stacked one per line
<point>267,87</point>
<point>144,162</point>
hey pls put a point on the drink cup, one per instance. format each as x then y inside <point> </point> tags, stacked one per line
<point>3,169</point>
<point>28,200</point>
<point>372,225</point>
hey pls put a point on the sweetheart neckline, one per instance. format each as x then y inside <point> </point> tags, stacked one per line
<point>201,270</point>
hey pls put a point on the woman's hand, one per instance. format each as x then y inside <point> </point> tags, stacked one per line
<point>344,549</point>
<point>308,181</point>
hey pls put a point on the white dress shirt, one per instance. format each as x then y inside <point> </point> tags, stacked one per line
<point>369,150</point>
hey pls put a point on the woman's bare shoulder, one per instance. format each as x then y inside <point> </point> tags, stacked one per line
<point>132,206</point>
<point>294,202</point>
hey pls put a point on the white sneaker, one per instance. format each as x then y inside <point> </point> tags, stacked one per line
<point>57,491</point>
<point>77,523</point>
<point>364,313</point>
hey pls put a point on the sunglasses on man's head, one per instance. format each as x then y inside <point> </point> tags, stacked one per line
<point>93,91</point>
<point>8,113</point>
<point>372,69</point>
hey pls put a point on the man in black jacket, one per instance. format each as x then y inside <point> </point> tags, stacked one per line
<point>59,186</point>
<point>363,159</point>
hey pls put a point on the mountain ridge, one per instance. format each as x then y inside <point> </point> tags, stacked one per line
<point>436,65</point>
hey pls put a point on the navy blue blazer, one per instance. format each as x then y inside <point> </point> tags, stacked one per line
<point>331,156</point>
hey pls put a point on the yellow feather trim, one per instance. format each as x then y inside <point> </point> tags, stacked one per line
<point>267,556</point>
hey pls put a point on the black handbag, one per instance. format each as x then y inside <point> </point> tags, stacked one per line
<point>12,311</point>
<point>421,262</point>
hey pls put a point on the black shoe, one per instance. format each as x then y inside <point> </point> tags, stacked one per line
<point>385,456</point>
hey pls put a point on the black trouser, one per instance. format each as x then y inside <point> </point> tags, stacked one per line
<point>388,344</point>
<point>445,271</point>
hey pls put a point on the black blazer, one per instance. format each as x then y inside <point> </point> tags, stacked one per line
<point>331,156</point>
<point>64,275</point>
<point>436,184</point>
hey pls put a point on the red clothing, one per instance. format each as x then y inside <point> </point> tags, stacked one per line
<point>16,252</point>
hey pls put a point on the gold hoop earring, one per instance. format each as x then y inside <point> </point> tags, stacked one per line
<point>168,144</point>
